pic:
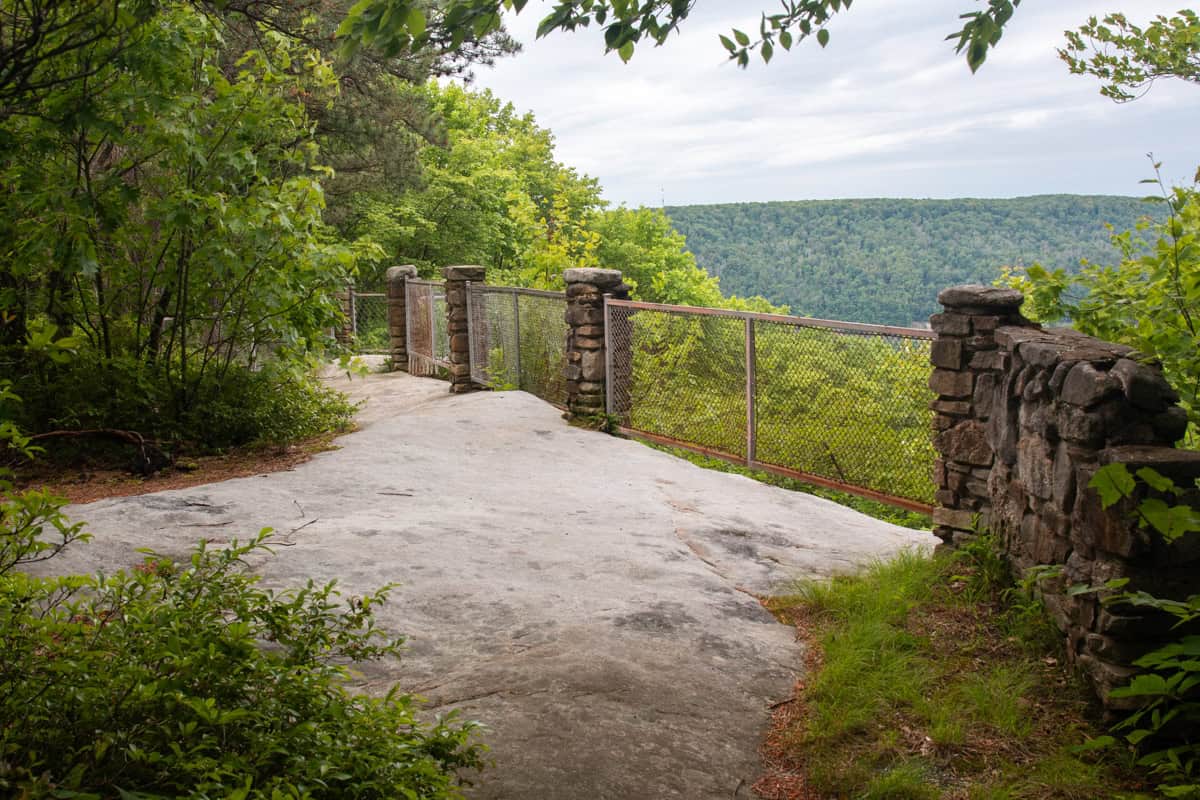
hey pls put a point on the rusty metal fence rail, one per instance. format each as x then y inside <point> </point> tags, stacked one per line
<point>518,340</point>
<point>837,404</point>
<point>428,338</point>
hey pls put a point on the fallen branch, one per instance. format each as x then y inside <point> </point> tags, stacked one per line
<point>150,458</point>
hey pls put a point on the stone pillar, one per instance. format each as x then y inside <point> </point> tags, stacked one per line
<point>397,305</point>
<point>967,366</point>
<point>457,279</point>
<point>585,355</point>
<point>344,332</point>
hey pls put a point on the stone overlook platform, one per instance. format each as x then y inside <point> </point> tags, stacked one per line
<point>589,599</point>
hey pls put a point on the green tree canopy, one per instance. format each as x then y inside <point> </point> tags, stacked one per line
<point>394,26</point>
<point>1128,58</point>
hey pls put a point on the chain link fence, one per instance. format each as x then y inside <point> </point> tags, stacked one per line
<point>518,340</point>
<point>843,405</point>
<point>428,338</point>
<point>369,322</point>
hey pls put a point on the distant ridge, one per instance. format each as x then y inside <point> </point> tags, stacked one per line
<point>884,260</point>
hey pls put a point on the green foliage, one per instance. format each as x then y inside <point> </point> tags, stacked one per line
<point>189,680</point>
<point>270,406</point>
<point>983,576</point>
<point>654,260</point>
<point>904,781</point>
<point>1164,726</point>
<point>394,26</point>
<point>54,44</point>
<point>992,697</point>
<point>496,195</point>
<point>982,31</point>
<point>32,527</point>
<point>884,261</point>
<point>276,403</point>
<point>162,227</point>
<point>1114,482</point>
<point>986,574</point>
<point>1150,300</point>
<point>1128,58</point>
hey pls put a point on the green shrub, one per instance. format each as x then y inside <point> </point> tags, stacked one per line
<point>189,680</point>
<point>1164,728</point>
<point>275,404</point>
<point>272,406</point>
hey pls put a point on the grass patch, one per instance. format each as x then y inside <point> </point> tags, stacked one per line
<point>930,677</point>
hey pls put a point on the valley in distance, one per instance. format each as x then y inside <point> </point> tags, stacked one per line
<point>884,260</point>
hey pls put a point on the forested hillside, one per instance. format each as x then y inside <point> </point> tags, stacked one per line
<point>884,260</point>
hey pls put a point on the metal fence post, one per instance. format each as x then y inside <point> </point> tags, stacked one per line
<point>751,384</point>
<point>344,332</point>
<point>470,329</point>
<point>516,301</point>
<point>608,367</point>
<point>408,322</point>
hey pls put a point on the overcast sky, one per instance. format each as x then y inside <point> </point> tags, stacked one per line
<point>887,110</point>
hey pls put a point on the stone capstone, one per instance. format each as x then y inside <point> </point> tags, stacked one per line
<point>401,273</point>
<point>464,273</point>
<point>977,296</point>
<point>603,278</point>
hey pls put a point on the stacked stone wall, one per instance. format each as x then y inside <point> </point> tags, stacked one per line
<point>457,326</point>
<point>585,369</point>
<point>397,307</point>
<point>1025,416</point>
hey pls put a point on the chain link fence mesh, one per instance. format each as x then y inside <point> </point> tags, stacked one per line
<point>518,340</point>
<point>428,339</point>
<point>370,322</point>
<point>846,404</point>
<point>681,376</point>
<point>493,337</point>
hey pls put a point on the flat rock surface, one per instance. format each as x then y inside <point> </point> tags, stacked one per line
<point>587,598</point>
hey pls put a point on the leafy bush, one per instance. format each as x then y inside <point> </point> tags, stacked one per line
<point>278,403</point>
<point>189,680</point>
<point>1164,728</point>
<point>272,406</point>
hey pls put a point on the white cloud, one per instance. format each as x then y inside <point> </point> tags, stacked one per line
<point>887,109</point>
